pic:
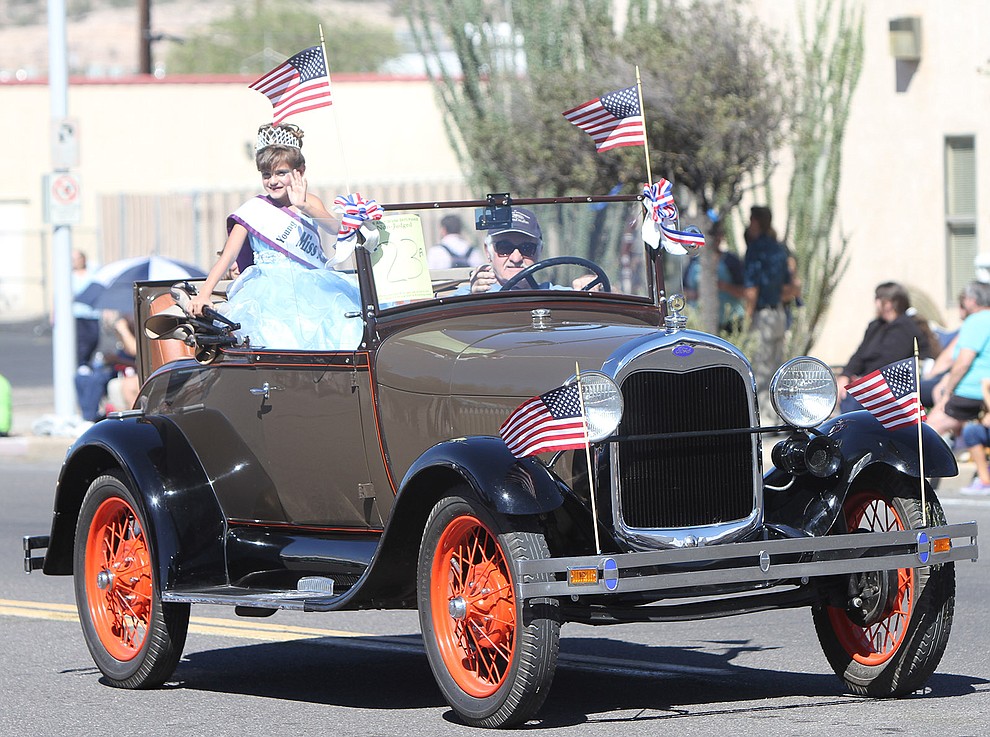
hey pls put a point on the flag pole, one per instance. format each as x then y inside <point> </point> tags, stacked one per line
<point>587,455</point>
<point>646,143</point>
<point>921,452</point>
<point>336,123</point>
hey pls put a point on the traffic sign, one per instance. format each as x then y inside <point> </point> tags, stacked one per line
<point>63,205</point>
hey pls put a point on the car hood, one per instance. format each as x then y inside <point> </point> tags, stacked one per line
<point>488,355</point>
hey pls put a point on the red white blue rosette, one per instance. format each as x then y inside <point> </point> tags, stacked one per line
<point>354,211</point>
<point>357,216</point>
<point>660,223</point>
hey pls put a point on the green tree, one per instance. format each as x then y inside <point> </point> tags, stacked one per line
<point>253,40</point>
<point>831,62</point>
<point>714,104</point>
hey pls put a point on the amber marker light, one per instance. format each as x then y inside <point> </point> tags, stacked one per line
<point>941,544</point>
<point>582,576</point>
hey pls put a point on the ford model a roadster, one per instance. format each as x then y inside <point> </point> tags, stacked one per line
<point>380,475</point>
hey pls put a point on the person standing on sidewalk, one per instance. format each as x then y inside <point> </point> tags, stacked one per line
<point>87,318</point>
<point>767,282</point>
<point>453,250</point>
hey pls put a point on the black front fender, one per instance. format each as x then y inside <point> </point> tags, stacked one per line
<point>504,483</point>
<point>810,506</point>
<point>863,441</point>
<point>481,468</point>
<point>184,523</point>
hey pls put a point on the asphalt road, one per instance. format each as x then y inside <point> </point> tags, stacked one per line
<point>365,673</point>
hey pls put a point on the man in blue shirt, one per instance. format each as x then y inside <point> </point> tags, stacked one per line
<point>767,278</point>
<point>510,249</point>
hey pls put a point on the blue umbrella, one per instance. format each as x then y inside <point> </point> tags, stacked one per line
<point>112,286</point>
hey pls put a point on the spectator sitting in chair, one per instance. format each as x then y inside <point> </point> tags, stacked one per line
<point>958,396</point>
<point>889,337</point>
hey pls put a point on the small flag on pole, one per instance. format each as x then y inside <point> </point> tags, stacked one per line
<point>551,421</point>
<point>612,120</point>
<point>300,83</point>
<point>891,394</point>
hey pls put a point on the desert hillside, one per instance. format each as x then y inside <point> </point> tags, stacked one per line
<point>103,41</point>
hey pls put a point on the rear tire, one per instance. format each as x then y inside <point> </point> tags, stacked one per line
<point>135,640</point>
<point>493,656</point>
<point>892,643</point>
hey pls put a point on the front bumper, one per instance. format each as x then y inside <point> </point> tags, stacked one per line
<point>762,561</point>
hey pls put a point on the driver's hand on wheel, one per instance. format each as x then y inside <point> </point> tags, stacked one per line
<point>583,281</point>
<point>482,279</point>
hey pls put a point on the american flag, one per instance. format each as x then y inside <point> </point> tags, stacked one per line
<point>891,394</point>
<point>300,83</point>
<point>551,421</point>
<point>612,120</point>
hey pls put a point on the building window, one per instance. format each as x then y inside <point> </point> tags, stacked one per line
<point>960,213</point>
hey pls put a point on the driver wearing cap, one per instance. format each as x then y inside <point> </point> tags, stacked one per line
<point>510,250</point>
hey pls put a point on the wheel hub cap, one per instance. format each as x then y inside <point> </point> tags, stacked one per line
<point>104,579</point>
<point>457,607</point>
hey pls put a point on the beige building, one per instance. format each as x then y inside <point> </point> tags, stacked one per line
<point>161,164</point>
<point>912,169</point>
<point>171,157</point>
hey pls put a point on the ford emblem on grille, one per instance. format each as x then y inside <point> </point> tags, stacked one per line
<point>683,350</point>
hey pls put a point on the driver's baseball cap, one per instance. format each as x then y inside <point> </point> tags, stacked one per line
<point>523,221</point>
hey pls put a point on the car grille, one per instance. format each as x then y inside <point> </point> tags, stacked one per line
<point>685,482</point>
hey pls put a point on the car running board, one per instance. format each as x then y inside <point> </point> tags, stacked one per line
<point>313,593</point>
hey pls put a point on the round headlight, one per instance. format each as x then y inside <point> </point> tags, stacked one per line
<point>602,403</point>
<point>803,392</point>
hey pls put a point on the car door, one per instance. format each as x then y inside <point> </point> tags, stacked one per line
<point>311,409</point>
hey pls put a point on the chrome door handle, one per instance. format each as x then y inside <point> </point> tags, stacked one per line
<point>264,390</point>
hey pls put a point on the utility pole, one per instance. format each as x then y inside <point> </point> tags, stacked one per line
<point>144,37</point>
<point>64,332</point>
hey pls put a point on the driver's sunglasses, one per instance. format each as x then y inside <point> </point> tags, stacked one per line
<point>526,250</point>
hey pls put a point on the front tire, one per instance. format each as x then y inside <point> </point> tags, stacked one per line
<point>493,655</point>
<point>892,642</point>
<point>135,640</point>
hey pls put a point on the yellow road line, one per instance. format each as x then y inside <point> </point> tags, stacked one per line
<point>251,630</point>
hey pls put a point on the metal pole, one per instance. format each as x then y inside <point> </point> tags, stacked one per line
<point>144,37</point>
<point>64,334</point>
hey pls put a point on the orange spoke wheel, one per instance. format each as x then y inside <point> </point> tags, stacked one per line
<point>473,607</point>
<point>884,632</point>
<point>135,639</point>
<point>873,636</point>
<point>119,583</point>
<point>492,654</point>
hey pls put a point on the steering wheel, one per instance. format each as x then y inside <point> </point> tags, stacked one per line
<point>600,276</point>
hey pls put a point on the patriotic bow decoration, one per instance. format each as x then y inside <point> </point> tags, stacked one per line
<point>659,227</point>
<point>361,218</point>
<point>354,211</point>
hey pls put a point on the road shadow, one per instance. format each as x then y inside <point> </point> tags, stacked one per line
<point>612,677</point>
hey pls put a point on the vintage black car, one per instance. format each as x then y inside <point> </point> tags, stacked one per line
<point>374,476</point>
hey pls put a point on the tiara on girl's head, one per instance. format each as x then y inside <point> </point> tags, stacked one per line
<point>285,134</point>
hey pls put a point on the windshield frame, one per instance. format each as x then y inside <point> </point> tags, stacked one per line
<point>373,310</point>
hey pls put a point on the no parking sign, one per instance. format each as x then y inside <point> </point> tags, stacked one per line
<point>63,205</point>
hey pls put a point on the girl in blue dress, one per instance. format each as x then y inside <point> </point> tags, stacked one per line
<point>287,299</point>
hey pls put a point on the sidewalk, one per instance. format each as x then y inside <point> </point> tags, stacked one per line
<point>30,405</point>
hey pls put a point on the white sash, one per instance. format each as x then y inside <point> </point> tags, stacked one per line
<point>281,229</point>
